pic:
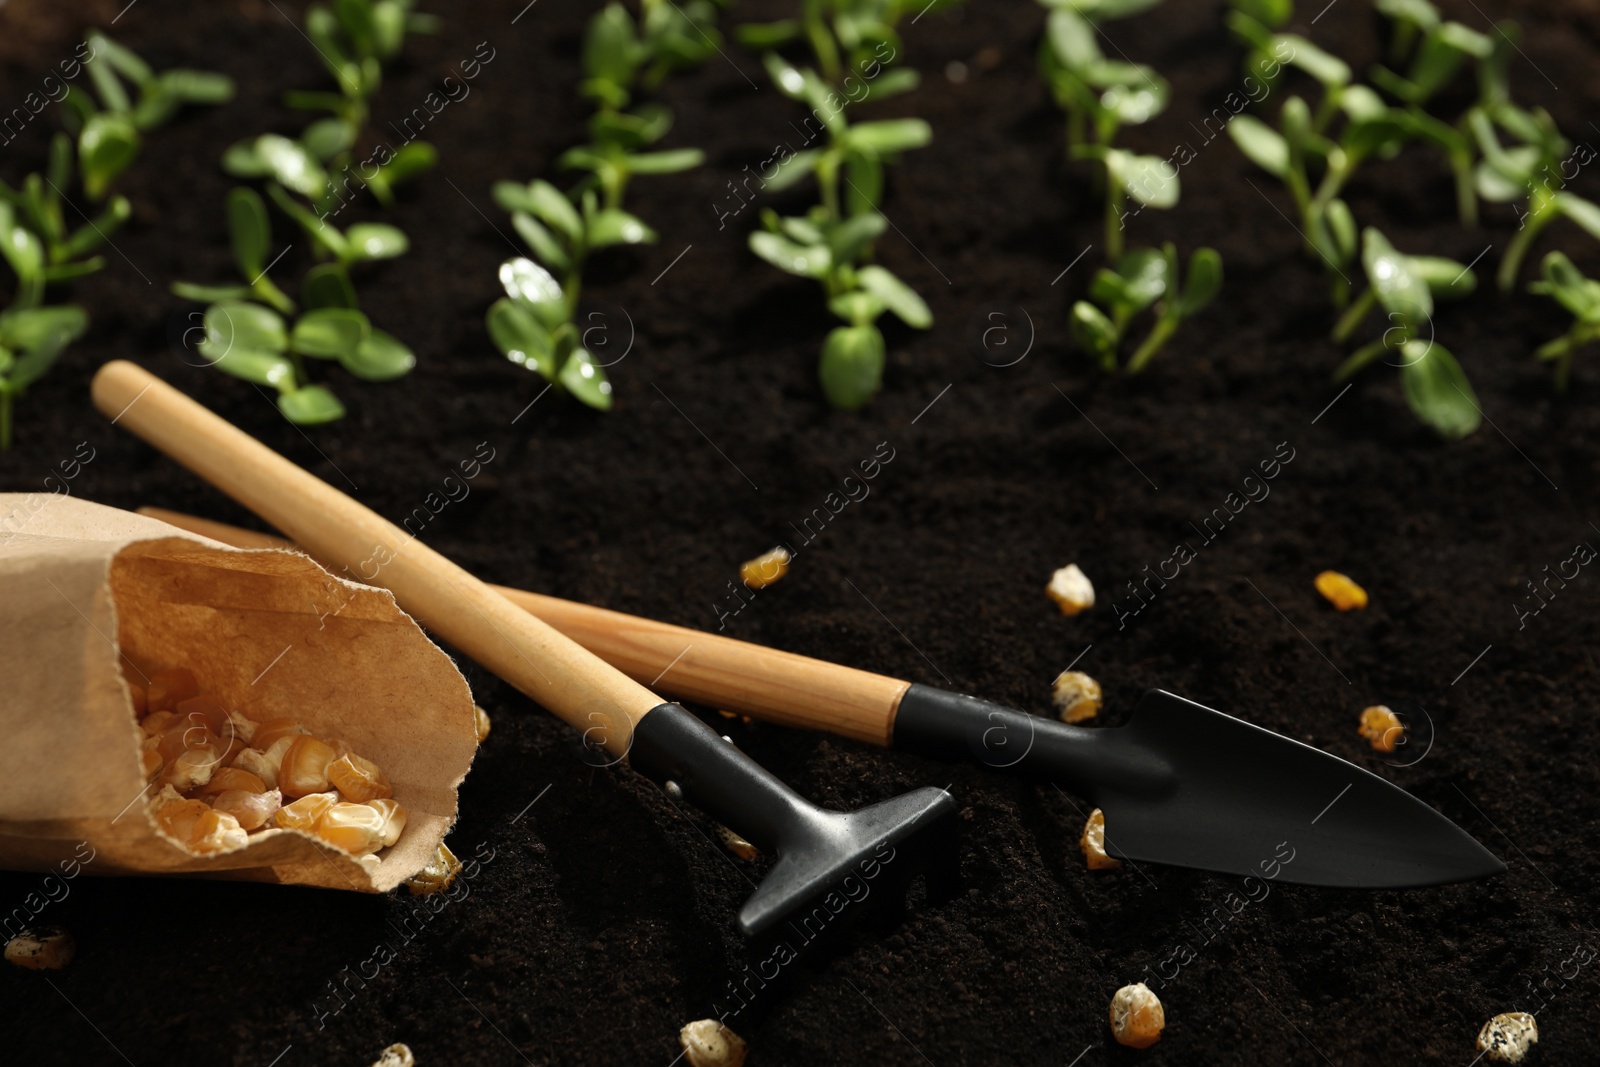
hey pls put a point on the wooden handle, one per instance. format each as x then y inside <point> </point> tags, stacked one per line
<point>734,675</point>
<point>553,670</point>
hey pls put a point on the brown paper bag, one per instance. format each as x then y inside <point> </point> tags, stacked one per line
<point>91,596</point>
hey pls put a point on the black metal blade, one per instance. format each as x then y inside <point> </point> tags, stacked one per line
<point>1243,800</point>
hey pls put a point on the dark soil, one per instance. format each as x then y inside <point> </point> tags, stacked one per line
<point>604,920</point>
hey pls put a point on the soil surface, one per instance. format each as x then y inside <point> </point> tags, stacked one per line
<point>605,918</point>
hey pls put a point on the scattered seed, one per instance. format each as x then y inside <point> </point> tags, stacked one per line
<point>765,569</point>
<point>707,1043</point>
<point>1137,1017</point>
<point>1071,589</point>
<point>437,875</point>
<point>44,948</point>
<point>1506,1038</point>
<point>481,717</point>
<point>737,845</point>
<point>1382,728</point>
<point>1341,591</point>
<point>1093,843</point>
<point>396,1055</point>
<point>1077,696</point>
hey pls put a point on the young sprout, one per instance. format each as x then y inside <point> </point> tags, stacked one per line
<point>1143,279</point>
<point>30,340</point>
<point>1254,22</point>
<point>1098,95</point>
<point>353,38</point>
<point>1314,164</point>
<point>1536,169</point>
<point>253,342</point>
<point>833,241</point>
<point>1566,285</point>
<point>1438,50</point>
<point>132,98</point>
<point>1405,287</point>
<point>536,324</point>
<point>40,248</point>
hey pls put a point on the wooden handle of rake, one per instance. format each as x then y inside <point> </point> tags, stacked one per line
<point>552,669</point>
<point>775,686</point>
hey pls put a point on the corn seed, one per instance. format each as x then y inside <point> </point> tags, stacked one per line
<point>1341,591</point>
<point>481,720</point>
<point>394,819</point>
<point>1382,728</point>
<point>396,1055</point>
<point>708,1043</point>
<point>437,875</point>
<point>765,569</point>
<point>1137,1017</point>
<point>1071,589</point>
<point>1093,843</point>
<point>1076,696</point>
<point>353,828</point>
<point>44,948</point>
<point>1506,1038</point>
<point>252,809</point>
<point>359,779</point>
<point>217,831</point>
<point>305,767</point>
<point>305,813</point>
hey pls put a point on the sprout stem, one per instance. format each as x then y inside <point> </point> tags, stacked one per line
<point>1164,328</point>
<point>1541,217</point>
<point>1353,316</point>
<point>1358,359</point>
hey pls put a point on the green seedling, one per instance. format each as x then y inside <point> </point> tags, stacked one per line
<point>536,324</point>
<point>247,336</point>
<point>133,99</point>
<point>1566,285</point>
<point>1099,95</point>
<point>354,38</point>
<point>1537,169</point>
<point>846,38</point>
<point>30,340</point>
<point>1405,287</point>
<point>1143,279</point>
<point>1315,164</point>
<point>34,233</point>
<point>832,242</point>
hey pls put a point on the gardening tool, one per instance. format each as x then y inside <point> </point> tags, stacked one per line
<point>1180,784</point>
<point>817,849</point>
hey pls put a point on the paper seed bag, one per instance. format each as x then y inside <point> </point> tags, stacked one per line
<point>93,598</point>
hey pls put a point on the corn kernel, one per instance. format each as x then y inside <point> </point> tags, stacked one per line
<point>305,767</point>
<point>1093,843</point>
<point>169,687</point>
<point>396,1055</point>
<point>353,828</point>
<point>1341,591</point>
<point>437,875</point>
<point>359,779</point>
<point>481,720</point>
<point>43,948</point>
<point>240,726</point>
<point>304,814</point>
<point>1137,1018</point>
<point>1076,696</point>
<point>178,818</point>
<point>1507,1037</point>
<point>708,1043</point>
<point>1071,589</point>
<point>255,762</point>
<point>737,845</point>
<point>765,569</point>
<point>269,732</point>
<point>251,809</point>
<point>217,831</point>
<point>232,778</point>
<point>394,819</point>
<point>1382,728</point>
<point>190,768</point>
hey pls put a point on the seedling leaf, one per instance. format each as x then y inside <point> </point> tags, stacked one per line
<point>379,357</point>
<point>310,405</point>
<point>896,295</point>
<point>669,162</point>
<point>327,285</point>
<point>239,324</point>
<point>613,227</point>
<point>851,370</point>
<point>1399,289</point>
<point>521,337</point>
<point>1437,389</point>
<point>585,381</point>
<point>329,333</point>
<point>1203,283</point>
<point>250,231</point>
<point>1261,144</point>
<point>806,261</point>
<point>252,365</point>
<point>374,240</point>
<point>107,144</point>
